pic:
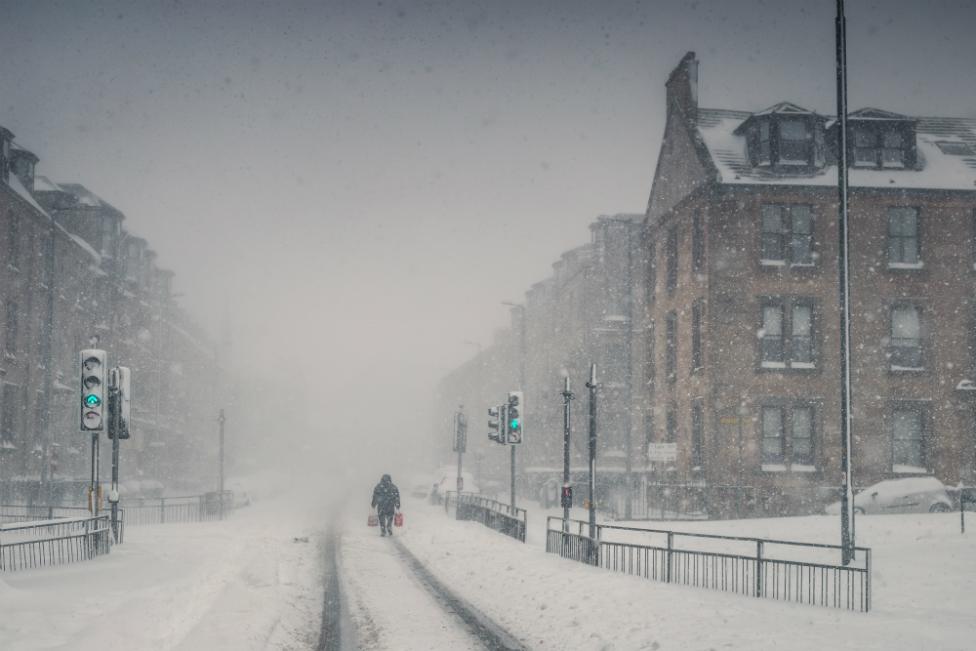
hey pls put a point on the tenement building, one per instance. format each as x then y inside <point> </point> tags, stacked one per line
<point>714,317</point>
<point>744,320</point>
<point>70,273</point>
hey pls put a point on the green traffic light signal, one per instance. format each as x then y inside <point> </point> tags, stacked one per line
<point>92,400</point>
<point>514,425</point>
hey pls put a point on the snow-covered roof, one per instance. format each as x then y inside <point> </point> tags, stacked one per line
<point>18,187</point>
<point>44,184</point>
<point>85,196</point>
<point>937,170</point>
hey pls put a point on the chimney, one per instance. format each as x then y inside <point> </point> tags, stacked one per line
<point>682,88</point>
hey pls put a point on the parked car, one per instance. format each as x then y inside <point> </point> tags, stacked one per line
<point>908,495</point>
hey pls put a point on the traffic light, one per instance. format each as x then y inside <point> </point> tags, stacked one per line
<point>513,418</point>
<point>494,425</point>
<point>92,390</point>
<point>566,498</point>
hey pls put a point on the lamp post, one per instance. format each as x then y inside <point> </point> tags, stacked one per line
<point>846,512</point>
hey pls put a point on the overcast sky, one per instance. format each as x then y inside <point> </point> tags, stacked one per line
<point>359,185</point>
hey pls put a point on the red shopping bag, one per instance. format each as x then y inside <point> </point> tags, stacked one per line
<point>398,520</point>
<point>373,520</point>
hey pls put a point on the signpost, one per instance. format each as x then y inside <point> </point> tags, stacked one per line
<point>662,452</point>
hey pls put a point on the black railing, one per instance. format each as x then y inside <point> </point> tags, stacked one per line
<point>491,513</point>
<point>138,511</point>
<point>759,567</point>
<point>44,543</point>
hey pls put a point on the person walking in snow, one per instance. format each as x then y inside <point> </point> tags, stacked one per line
<point>386,501</point>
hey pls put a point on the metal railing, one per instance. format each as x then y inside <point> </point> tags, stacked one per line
<point>46,543</point>
<point>758,567</point>
<point>137,511</point>
<point>491,513</point>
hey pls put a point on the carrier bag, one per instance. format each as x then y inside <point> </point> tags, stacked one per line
<point>373,520</point>
<point>398,520</point>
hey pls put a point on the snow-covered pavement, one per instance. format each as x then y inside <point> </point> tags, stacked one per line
<point>241,584</point>
<point>924,581</point>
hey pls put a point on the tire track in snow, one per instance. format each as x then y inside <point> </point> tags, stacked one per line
<point>331,634</point>
<point>479,625</point>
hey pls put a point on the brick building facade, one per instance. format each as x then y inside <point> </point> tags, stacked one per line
<point>722,304</point>
<point>71,272</point>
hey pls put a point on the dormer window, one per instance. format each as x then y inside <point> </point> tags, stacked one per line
<point>765,148</point>
<point>794,142</point>
<point>784,137</point>
<point>893,153</point>
<point>881,139</point>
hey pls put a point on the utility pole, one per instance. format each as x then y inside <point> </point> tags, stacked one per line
<point>846,512</point>
<point>566,495</point>
<point>220,477</point>
<point>591,385</point>
<point>113,428</point>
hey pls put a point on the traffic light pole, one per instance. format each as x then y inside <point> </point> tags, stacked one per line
<point>93,489</point>
<point>114,409</point>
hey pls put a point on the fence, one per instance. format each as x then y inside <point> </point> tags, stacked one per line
<point>757,567</point>
<point>135,511</point>
<point>493,514</point>
<point>53,542</point>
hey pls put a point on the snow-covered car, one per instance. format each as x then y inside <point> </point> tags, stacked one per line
<point>908,495</point>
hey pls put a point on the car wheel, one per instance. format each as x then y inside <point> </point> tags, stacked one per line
<point>939,507</point>
<point>858,510</point>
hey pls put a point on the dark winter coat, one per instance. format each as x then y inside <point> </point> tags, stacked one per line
<point>386,496</point>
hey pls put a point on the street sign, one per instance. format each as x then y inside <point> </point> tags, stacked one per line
<point>662,452</point>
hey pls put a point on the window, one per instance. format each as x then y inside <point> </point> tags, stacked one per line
<point>865,147</point>
<point>787,235</point>
<point>772,348</point>
<point>907,439</point>
<point>8,405</point>
<point>765,150</point>
<point>696,338</point>
<point>794,142</point>
<point>893,154</point>
<point>787,333</point>
<point>905,345</point>
<point>672,254</point>
<point>13,237</point>
<point>801,339</point>
<point>802,436</point>
<point>772,435</point>
<point>788,433</point>
<point>671,343</point>
<point>10,330</point>
<point>697,436</point>
<point>697,243</point>
<point>903,249</point>
<point>773,234</point>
